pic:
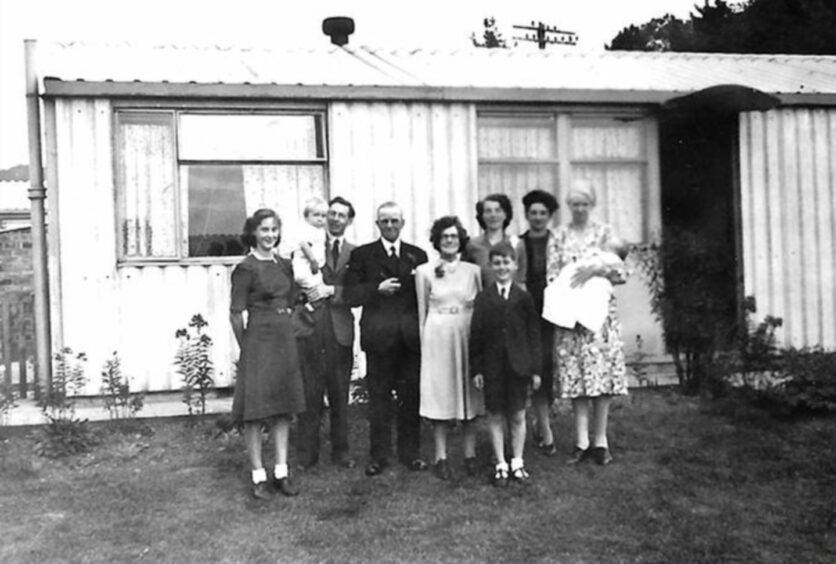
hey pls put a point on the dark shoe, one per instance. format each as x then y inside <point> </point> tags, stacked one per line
<point>375,468</point>
<point>285,487</point>
<point>262,491</point>
<point>471,466</point>
<point>578,455</point>
<point>500,478</point>
<point>345,462</point>
<point>519,474</point>
<point>416,465</point>
<point>442,469</point>
<point>601,455</point>
<point>547,450</point>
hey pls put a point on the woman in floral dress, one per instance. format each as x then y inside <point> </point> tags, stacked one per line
<point>589,365</point>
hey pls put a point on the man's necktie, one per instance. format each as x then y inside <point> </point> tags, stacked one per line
<point>392,253</point>
<point>335,252</point>
<point>503,293</point>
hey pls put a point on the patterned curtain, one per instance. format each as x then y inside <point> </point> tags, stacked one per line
<point>146,176</point>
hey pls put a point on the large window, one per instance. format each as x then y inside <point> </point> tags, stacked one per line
<point>187,179</point>
<point>556,151</point>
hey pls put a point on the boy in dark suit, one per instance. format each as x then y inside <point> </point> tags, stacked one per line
<point>381,278</point>
<point>505,358</point>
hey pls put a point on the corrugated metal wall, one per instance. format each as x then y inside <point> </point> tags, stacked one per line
<point>788,201</point>
<point>97,308</point>
<point>421,155</point>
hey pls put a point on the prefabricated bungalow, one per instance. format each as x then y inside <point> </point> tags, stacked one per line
<point>154,155</point>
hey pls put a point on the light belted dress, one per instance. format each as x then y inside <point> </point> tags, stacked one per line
<point>445,306</point>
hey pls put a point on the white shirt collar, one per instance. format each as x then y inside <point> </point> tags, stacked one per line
<point>507,286</point>
<point>389,244</point>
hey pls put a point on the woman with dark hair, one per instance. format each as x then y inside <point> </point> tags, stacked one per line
<point>268,385</point>
<point>531,272</point>
<point>446,290</point>
<point>494,213</point>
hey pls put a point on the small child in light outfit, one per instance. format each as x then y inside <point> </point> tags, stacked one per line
<point>309,253</point>
<point>587,304</point>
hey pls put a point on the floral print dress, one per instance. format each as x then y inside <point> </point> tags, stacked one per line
<point>587,363</point>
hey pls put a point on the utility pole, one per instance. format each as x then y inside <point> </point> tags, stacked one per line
<point>539,35</point>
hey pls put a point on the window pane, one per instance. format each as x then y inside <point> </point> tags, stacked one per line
<point>146,180</point>
<point>514,180</point>
<point>601,142</point>
<point>216,209</point>
<point>619,193</point>
<point>517,138</point>
<point>220,197</point>
<point>249,137</point>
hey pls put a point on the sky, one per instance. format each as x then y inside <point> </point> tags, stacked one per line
<point>426,24</point>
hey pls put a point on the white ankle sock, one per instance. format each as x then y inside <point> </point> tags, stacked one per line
<point>280,471</point>
<point>259,475</point>
<point>502,466</point>
<point>516,463</point>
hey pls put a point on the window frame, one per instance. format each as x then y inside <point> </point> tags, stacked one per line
<point>175,109</point>
<point>565,118</point>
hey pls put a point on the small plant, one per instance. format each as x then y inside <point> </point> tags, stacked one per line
<point>194,364</point>
<point>119,401</point>
<point>64,434</point>
<point>637,367</point>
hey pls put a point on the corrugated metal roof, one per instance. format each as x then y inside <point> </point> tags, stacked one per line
<point>14,195</point>
<point>479,68</point>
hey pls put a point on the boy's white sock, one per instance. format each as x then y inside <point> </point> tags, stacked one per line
<point>280,471</point>
<point>259,475</point>
<point>516,464</point>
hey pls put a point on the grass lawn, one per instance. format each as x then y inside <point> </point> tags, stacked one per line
<point>691,482</point>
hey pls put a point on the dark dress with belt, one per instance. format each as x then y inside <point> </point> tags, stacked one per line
<point>268,382</point>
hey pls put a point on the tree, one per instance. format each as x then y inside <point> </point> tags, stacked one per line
<point>491,36</point>
<point>755,26</point>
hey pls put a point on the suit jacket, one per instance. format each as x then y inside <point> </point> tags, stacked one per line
<point>500,326</point>
<point>338,310</point>
<point>385,319</point>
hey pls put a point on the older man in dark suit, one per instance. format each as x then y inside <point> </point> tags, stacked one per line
<point>381,279</point>
<point>327,355</point>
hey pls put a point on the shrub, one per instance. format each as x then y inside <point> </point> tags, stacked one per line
<point>194,364</point>
<point>119,401</point>
<point>807,384</point>
<point>685,275</point>
<point>64,434</point>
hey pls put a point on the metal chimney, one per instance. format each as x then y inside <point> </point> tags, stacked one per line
<point>339,28</point>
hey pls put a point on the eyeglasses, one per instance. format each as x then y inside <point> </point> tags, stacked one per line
<point>450,236</point>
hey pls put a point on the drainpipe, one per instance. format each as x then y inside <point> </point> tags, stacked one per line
<point>37,195</point>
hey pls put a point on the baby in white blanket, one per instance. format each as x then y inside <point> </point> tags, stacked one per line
<point>587,304</point>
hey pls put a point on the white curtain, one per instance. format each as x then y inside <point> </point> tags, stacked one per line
<point>148,189</point>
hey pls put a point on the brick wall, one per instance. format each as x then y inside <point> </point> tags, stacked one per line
<point>16,297</point>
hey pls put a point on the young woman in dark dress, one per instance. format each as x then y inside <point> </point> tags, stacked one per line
<point>268,387</point>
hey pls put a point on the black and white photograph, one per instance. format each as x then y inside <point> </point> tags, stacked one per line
<point>532,281</point>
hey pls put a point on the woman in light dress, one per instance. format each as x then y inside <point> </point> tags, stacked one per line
<point>588,364</point>
<point>446,290</point>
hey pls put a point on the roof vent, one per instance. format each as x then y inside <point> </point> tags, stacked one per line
<point>339,28</point>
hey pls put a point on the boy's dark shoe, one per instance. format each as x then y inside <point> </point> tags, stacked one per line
<point>519,474</point>
<point>375,468</point>
<point>285,487</point>
<point>578,455</point>
<point>500,477</point>
<point>262,491</point>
